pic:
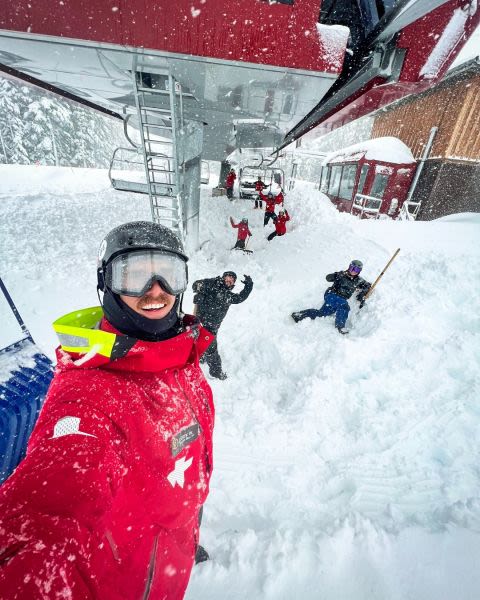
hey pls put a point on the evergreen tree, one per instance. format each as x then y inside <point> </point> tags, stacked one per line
<point>39,127</point>
<point>12,103</point>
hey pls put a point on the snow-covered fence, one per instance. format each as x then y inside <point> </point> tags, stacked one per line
<point>409,211</point>
<point>366,205</point>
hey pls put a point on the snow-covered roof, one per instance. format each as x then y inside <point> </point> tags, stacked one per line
<point>383,149</point>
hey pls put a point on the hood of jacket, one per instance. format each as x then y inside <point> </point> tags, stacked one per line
<point>88,340</point>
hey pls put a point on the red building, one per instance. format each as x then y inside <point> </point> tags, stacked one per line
<point>441,127</point>
<point>370,179</point>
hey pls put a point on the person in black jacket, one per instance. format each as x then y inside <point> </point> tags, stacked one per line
<point>213,298</point>
<point>345,283</point>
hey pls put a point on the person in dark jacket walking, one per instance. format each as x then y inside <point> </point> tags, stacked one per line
<point>243,232</point>
<point>213,298</point>
<point>270,201</point>
<point>280,223</point>
<point>259,187</point>
<point>345,283</point>
<point>106,504</point>
<point>229,183</point>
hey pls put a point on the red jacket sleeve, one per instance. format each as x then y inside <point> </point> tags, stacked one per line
<point>57,496</point>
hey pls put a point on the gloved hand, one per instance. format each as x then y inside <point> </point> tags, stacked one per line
<point>361,299</point>
<point>246,279</point>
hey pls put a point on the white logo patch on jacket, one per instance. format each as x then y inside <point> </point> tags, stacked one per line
<point>68,426</point>
<point>177,476</point>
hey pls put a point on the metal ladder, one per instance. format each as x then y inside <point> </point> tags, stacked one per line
<point>160,115</point>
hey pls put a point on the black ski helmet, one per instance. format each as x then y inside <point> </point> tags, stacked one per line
<point>137,235</point>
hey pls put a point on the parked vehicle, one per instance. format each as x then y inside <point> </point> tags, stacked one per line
<point>273,178</point>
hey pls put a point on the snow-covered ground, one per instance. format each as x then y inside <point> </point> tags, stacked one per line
<point>346,467</point>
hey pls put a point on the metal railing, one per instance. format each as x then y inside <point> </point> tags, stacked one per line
<point>409,211</point>
<point>367,205</point>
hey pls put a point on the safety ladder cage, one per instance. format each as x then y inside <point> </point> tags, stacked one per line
<point>159,104</point>
<point>25,375</point>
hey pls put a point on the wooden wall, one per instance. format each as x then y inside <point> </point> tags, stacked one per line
<point>454,107</point>
<point>448,187</point>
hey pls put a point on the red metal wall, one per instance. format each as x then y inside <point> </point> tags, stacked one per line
<point>418,39</point>
<point>239,30</point>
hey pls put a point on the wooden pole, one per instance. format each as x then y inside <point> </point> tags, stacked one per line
<point>381,275</point>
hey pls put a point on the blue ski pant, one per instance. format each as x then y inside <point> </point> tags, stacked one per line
<point>333,305</point>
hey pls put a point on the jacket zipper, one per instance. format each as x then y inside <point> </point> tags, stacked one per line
<point>113,545</point>
<point>151,570</point>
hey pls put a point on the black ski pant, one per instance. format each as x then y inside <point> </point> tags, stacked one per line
<point>273,234</point>
<point>229,193</point>
<point>213,360</point>
<point>267,217</point>
<point>240,244</point>
<point>258,202</point>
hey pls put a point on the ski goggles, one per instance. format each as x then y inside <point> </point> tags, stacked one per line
<point>354,268</point>
<point>133,273</point>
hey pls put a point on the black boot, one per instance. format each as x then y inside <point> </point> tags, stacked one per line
<point>219,375</point>
<point>342,330</point>
<point>297,316</point>
<point>201,555</point>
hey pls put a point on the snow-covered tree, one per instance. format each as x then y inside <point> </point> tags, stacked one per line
<point>39,127</point>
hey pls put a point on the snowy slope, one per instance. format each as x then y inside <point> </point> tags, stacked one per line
<point>346,467</point>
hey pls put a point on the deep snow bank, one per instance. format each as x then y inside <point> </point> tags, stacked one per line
<point>345,467</point>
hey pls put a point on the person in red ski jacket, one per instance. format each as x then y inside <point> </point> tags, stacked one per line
<point>270,202</point>
<point>106,504</point>
<point>280,199</point>
<point>280,222</point>
<point>229,182</point>
<point>243,232</point>
<point>259,187</point>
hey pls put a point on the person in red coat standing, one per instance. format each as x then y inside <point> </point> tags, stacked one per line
<point>229,183</point>
<point>280,222</point>
<point>106,504</point>
<point>243,232</point>
<point>270,202</point>
<point>259,187</point>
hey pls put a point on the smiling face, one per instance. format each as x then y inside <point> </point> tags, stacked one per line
<point>229,281</point>
<point>156,303</point>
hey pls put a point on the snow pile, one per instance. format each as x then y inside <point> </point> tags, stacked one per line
<point>38,179</point>
<point>346,467</point>
<point>333,40</point>
<point>384,149</point>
